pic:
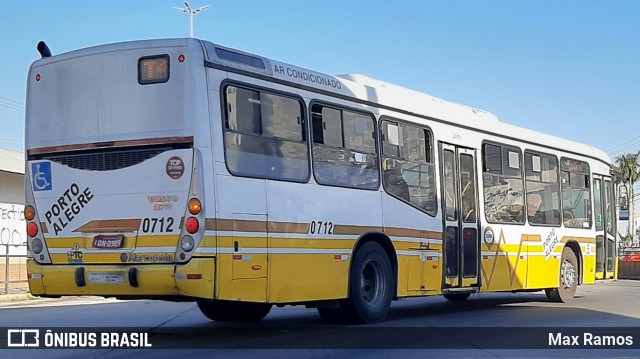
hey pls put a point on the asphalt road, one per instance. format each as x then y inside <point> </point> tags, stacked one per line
<point>495,325</point>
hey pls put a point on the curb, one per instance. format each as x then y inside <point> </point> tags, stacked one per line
<point>15,297</point>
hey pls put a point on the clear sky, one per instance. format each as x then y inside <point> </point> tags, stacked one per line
<point>570,68</point>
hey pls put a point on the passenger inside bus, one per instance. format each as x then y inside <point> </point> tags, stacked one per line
<point>513,212</point>
<point>534,214</point>
<point>395,183</point>
<point>541,210</point>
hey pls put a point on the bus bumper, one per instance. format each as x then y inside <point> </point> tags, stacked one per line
<point>193,279</point>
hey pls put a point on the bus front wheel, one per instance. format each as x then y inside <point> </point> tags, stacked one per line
<point>568,278</point>
<point>227,311</point>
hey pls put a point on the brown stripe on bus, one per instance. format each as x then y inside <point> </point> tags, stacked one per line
<point>241,225</point>
<point>413,233</point>
<point>288,227</point>
<point>578,239</point>
<point>209,224</point>
<point>342,229</point>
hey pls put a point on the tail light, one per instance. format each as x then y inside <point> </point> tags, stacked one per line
<point>194,222</point>
<point>192,225</point>
<point>29,213</point>
<point>195,206</point>
<point>32,229</point>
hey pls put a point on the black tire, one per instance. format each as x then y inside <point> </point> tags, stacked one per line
<point>568,280</point>
<point>371,284</point>
<point>457,297</point>
<point>226,311</point>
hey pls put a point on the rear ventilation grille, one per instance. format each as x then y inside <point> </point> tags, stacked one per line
<point>105,160</point>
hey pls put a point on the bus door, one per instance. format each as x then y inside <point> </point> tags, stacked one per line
<point>604,207</point>
<point>460,217</point>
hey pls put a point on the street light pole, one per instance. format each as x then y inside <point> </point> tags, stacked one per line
<point>191,13</point>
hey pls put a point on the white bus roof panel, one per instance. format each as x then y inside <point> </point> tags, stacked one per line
<point>388,95</point>
<point>94,94</point>
<point>357,87</point>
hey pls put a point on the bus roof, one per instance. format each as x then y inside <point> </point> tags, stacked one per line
<point>117,46</point>
<point>352,86</point>
<point>390,96</point>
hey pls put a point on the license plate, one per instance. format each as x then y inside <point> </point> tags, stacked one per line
<point>107,242</point>
<point>106,277</point>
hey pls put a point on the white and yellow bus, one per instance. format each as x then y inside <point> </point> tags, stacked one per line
<point>179,169</point>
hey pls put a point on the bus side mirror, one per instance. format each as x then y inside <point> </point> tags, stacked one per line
<point>623,200</point>
<point>623,197</point>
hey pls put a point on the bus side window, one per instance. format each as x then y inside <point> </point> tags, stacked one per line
<point>344,148</point>
<point>503,184</point>
<point>408,171</point>
<point>576,193</point>
<point>543,189</point>
<point>609,210</point>
<point>264,135</point>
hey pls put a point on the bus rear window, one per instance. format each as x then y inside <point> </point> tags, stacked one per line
<point>153,69</point>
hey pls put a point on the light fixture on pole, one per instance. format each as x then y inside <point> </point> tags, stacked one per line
<point>191,12</point>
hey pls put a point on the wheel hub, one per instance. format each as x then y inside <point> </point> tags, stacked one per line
<point>371,282</point>
<point>568,274</point>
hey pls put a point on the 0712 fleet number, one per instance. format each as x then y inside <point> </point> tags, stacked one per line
<point>321,227</point>
<point>163,225</point>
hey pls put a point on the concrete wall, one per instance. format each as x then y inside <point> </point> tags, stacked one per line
<point>12,223</point>
<point>13,234</point>
<point>11,187</point>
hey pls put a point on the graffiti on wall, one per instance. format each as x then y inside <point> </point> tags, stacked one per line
<point>12,227</point>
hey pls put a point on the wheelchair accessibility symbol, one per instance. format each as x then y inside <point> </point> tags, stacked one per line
<point>41,176</point>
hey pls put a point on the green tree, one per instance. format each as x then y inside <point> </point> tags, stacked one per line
<point>627,165</point>
<point>625,240</point>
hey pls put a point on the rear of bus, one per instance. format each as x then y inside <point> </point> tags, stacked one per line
<point>115,196</point>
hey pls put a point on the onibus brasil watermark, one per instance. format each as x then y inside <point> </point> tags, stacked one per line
<point>70,338</point>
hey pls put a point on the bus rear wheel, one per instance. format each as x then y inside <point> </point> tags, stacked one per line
<point>568,279</point>
<point>227,311</point>
<point>371,288</point>
<point>371,284</point>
